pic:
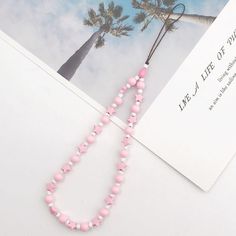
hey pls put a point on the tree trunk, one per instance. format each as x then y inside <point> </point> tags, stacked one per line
<point>193,18</point>
<point>69,68</point>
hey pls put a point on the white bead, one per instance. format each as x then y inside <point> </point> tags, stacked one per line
<point>49,193</point>
<point>50,204</point>
<point>117,184</point>
<point>114,105</point>
<point>100,124</point>
<point>112,195</point>
<point>100,217</point>
<point>140,91</point>
<point>142,79</point>
<point>54,181</point>
<point>86,144</point>
<point>127,136</point>
<point>121,95</point>
<point>70,163</point>
<point>136,77</point>
<point>133,114</point>
<point>137,103</point>
<point>67,221</point>
<point>108,206</point>
<point>93,134</point>
<point>123,160</point>
<point>128,85</point>
<point>126,147</point>
<point>58,214</point>
<point>90,224</point>
<point>146,66</point>
<point>130,125</point>
<point>78,226</point>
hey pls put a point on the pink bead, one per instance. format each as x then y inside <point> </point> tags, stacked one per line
<point>109,200</point>
<point>97,129</point>
<point>118,100</point>
<point>58,177</point>
<point>111,110</point>
<point>71,225</point>
<point>119,178</point>
<point>122,91</point>
<point>127,141</point>
<point>124,153</point>
<point>90,139</point>
<point>84,227</point>
<point>121,166</point>
<point>142,73</point>
<point>115,190</point>
<point>132,81</point>
<point>129,130</point>
<point>104,212</point>
<point>132,119</point>
<point>53,210</point>
<point>125,88</point>
<point>82,148</point>
<point>135,108</point>
<point>75,159</point>
<point>139,98</point>
<point>105,119</point>
<point>140,85</point>
<point>66,168</point>
<point>51,187</point>
<point>96,222</point>
<point>63,218</point>
<point>49,199</point>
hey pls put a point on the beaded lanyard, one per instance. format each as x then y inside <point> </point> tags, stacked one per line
<point>134,82</point>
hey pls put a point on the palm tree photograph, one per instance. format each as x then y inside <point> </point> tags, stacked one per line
<point>98,45</point>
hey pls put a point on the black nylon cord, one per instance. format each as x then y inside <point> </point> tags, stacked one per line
<point>160,36</point>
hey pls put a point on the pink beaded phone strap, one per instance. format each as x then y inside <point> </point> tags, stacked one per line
<point>138,83</point>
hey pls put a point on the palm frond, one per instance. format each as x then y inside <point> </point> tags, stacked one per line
<point>100,42</point>
<point>151,9</point>
<point>111,7</point>
<point>101,9</point>
<point>109,20</point>
<point>169,3</point>
<point>136,4</point>
<point>92,14</point>
<point>170,26</point>
<point>122,30</point>
<point>122,18</point>
<point>147,23</point>
<point>117,11</point>
<point>140,17</point>
<point>88,22</point>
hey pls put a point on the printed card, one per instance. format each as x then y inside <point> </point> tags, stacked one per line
<point>191,124</point>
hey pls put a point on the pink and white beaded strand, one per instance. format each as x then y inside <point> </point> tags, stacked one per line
<point>134,82</point>
<point>138,83</point>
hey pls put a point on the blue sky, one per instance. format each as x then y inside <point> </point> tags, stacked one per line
<point>192,6</point>
<point>53,30</point>
<point>201,7</point>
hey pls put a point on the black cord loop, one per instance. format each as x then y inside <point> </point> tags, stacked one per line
<point>167,27</point>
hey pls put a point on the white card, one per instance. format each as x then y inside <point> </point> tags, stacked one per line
<point>191,124</point>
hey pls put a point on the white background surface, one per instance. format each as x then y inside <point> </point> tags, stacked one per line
<point>41,122</point>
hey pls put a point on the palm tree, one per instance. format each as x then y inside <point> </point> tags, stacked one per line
<point>159,9</point>
<point>106,21</point>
